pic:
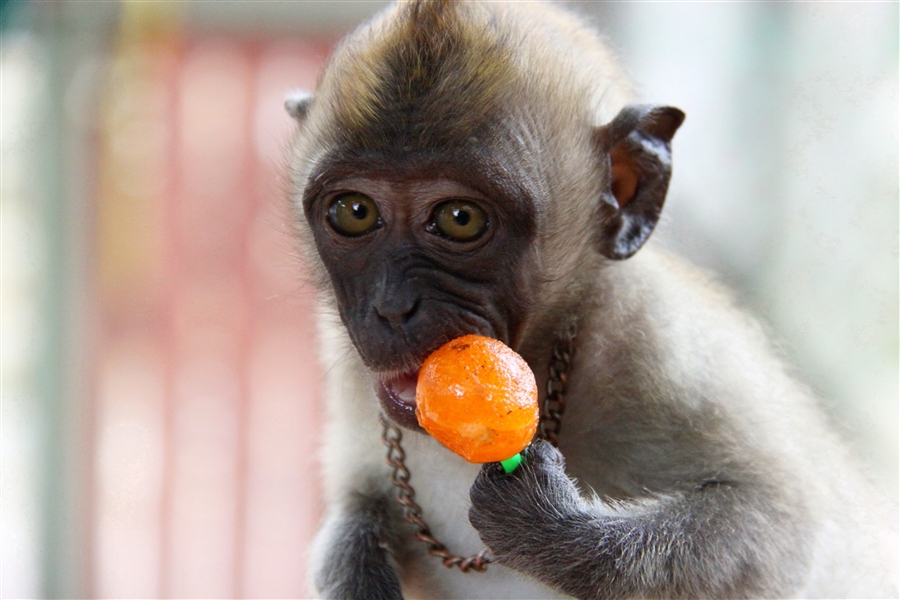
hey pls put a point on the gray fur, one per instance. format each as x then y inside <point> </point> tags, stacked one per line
<point>695,466</point>
<point>361,564</point>
<point>681,545</point>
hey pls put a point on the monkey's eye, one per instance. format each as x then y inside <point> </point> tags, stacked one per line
<point>459,220</point>
<point>353,214</point>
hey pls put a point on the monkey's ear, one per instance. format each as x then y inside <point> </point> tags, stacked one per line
<point>297,104</point>
<point>637,146</point>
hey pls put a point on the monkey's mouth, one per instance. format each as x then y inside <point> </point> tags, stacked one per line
<point>397,395</point>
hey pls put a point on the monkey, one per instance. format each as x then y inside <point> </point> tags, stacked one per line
<point>479,167</point>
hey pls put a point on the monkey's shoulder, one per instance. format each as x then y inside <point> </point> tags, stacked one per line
<point>675,383</point>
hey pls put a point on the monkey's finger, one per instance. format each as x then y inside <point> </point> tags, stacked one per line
<point>491,470</point>
<point>543,453</point>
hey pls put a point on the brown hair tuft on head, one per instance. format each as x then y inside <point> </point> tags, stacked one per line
<point>430,27</point>
<point>430,14</point>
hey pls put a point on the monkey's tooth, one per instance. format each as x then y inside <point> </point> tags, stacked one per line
<point>406,390</point>
<point>397,396</point>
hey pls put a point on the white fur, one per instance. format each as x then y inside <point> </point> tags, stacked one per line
<point>669,378</point>
<point>354,457</point>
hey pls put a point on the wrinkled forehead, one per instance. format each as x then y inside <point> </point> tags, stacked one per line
<point>484,150</point>
<point>483,172</point>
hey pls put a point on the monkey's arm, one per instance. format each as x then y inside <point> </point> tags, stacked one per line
<point>355,552</point>
<point>718,540</point>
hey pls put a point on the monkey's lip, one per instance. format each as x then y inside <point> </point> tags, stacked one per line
<point>397,395</point>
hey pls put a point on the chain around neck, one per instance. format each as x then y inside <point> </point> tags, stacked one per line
<point>549,427</point>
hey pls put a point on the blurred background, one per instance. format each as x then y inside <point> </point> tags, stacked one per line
<point>161,394</point>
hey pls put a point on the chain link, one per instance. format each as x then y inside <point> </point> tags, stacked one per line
<point>549,427</point>
<point>557,386</point>
<point>412,512</point>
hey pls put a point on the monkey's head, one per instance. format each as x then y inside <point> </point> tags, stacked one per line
<point>463,168</point>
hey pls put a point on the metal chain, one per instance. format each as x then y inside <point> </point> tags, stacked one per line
<point>412,512</point>
<point>557,386</point>
<point>549,427</point>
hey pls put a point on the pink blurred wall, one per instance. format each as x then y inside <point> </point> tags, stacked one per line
<point>207,386</point>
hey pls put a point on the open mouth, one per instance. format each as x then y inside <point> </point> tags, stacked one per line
<point>397,395</point>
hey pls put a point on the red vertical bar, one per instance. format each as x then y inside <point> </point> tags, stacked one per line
<point>127,489</point>
<point>285,379</point>
<point>211,314</point>
<point>167,319</point>
<point>249,328</point>
<point>231,257</point>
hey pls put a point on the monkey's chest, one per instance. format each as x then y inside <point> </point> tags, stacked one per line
<point>441,481</point>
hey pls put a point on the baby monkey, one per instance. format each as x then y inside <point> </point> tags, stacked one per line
<point>480,168</point>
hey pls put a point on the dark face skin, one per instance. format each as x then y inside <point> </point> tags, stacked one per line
<point>416,262</point>
<point>425,244</point>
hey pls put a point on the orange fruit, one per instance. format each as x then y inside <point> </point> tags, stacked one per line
<point>478,398</point>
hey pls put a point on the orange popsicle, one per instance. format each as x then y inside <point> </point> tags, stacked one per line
<point>478,398</point>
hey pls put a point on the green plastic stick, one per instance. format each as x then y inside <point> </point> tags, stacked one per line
<point>510,464</point>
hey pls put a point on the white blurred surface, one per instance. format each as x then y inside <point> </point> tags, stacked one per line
<point>786,182</point>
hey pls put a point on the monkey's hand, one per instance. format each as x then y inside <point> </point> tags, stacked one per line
<point>719,539</point>
<point>528,517</point>
<point>353,553</point>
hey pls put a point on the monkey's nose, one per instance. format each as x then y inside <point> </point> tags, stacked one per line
<point>397,311</point>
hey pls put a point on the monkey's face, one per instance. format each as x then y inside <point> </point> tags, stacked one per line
<point>415,262</point>
<point>449,190</point>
